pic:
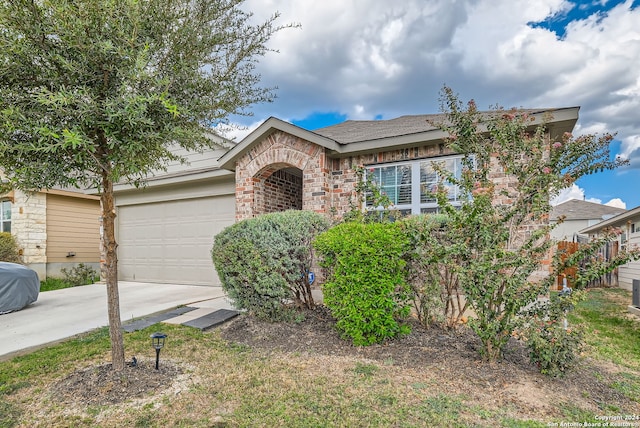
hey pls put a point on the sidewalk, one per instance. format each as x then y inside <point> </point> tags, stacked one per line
<point>61,314</point>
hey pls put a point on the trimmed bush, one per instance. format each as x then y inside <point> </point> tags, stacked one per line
<point>8,248</point>
<point>80,274</point>
<point>366,290</point>
<point>263,262</point>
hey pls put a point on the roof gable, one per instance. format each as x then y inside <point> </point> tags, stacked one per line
<point>617,221</point>
<point>354,137</point>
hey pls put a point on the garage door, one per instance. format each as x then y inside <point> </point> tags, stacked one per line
<point>170,242</point>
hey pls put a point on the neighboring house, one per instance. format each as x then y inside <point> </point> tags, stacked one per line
<point>577,215</point>
<point>629,224</point>
<point>165,230</point>
<point>53,228</point>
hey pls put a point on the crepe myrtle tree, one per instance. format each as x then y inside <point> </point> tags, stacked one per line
<point>97,92</point>
<point>501,232</point>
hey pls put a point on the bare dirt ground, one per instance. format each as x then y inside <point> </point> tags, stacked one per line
<point>96,386</point>
<point>451,358</point>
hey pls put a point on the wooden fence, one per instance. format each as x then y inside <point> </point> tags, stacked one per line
<point>606,253</point>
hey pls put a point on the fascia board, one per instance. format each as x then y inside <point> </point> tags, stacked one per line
<point>562,119</point>
<point>268,127</point>
<point>613,221</point>
<point>191,176</point>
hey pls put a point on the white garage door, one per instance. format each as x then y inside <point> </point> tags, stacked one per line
<point>170,242</point>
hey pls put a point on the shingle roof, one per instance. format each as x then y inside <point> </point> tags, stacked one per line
<point>576,209</point>
<point>357,137</point>
<point>352,131</point>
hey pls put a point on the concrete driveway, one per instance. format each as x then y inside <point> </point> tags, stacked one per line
<point>61,314</point>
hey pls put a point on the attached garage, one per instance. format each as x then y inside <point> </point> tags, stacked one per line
<point>165,230</point>
<point>171,241</point>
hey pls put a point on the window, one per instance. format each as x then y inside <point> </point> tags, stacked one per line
<point>5,216</point>
<point>407,184</point>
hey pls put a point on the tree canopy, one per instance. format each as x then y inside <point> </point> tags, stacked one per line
<point>95,92</point>
<point>95,86</point>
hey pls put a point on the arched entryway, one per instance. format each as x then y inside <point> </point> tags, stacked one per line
<point>277,188</point>
<point>279,173</point>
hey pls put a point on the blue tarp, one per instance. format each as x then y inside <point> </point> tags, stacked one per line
<point>19,287</point>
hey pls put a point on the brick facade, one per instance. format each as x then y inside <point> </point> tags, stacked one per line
<point>266,182</point>
<point>287,172</point>
<point>255,193</point>
<point>282,191</point>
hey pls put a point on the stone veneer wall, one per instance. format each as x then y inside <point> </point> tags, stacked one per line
<point>29,226</point>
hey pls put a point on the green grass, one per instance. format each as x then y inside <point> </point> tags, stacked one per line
<point>611,333</point>
<point>233,385</point>
<point>50,284</point>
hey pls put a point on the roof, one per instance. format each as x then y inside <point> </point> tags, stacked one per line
<point>576,209</point>
<point>352,131</point>
<point>618,220</point>
<point>357,137</point>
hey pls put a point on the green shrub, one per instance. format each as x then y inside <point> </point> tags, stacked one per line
<point>366,290</point>
<point>437,295</point>
<point>263,262</point>
<point>552,348</point>
<point>80,274</point>
<point>8,248</point>
<point>53,283</point>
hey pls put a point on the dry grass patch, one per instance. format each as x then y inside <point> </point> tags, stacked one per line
<point>254,374</point>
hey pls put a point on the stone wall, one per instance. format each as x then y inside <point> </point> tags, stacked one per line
<point>29,226</point>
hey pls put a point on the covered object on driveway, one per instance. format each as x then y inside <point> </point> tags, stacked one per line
<point>19,287</point>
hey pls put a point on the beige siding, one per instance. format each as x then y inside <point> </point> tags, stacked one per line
<point>631,271</point>
<point>73,225</point>
<point>171,241</point>
<point>565,231</point>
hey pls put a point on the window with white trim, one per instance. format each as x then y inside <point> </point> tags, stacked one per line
<point>407,184</point>
<point>5,216</point>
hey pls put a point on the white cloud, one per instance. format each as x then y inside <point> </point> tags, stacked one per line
<point>573,192</point>
<point>576,192</point>
<point>235,131</point>
<point>365,58</point>
<point>617,203</point>
<point>393,57</point>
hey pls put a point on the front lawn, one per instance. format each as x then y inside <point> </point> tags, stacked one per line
<point>243,379</point>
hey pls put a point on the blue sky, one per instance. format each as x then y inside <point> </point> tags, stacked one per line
<point>375,59</point>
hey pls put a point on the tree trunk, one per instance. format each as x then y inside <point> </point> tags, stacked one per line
<point>110,272</point>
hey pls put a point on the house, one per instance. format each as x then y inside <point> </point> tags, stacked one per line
<point>54,229</point>
<point>165,230</point>
<point>577,215</point>
<point>629,224</point>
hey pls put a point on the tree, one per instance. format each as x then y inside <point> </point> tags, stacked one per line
<point>501,230</point>
<point>95,92</point>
